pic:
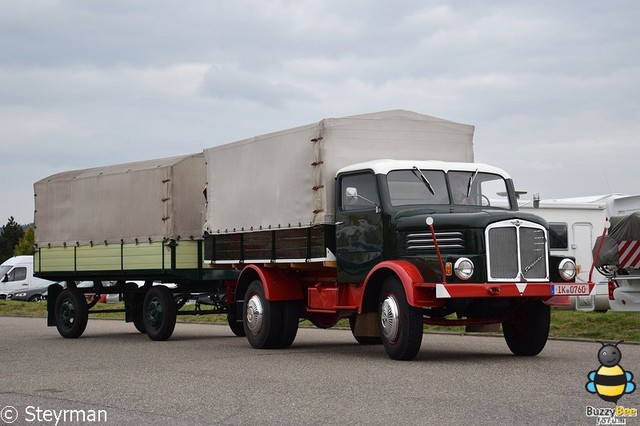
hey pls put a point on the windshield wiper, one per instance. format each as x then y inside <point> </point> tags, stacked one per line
<point>424,179</point>
<point>471,179</point>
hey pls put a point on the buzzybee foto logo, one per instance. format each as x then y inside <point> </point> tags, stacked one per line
<point>610,382</point>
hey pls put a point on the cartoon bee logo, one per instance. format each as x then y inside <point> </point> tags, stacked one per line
<point>610,381</point>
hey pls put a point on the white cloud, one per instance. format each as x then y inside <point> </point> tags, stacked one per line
<point>552,88</point>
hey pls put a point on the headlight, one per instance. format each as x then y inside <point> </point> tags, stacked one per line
<point>463,268</point>
<point>567,269</point>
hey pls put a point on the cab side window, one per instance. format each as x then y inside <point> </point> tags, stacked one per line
<point>362,184</point>
<point>18,274</point>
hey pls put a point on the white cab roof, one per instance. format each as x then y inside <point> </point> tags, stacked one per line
<point>385,166</point>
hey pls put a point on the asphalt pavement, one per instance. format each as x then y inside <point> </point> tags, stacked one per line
<point>204,375</point>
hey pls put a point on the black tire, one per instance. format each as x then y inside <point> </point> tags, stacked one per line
<point>289,324</point>
<point>159,313</point>
<point>237,327</point>
<point>527,331</point>
<point>35,298</point>
<point>71,313</point>
<point>401,325</point>
<point>138,319</point>
<point>363,340</point>
<point>262,319</point>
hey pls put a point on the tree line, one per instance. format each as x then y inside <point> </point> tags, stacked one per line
<point>16,240</point>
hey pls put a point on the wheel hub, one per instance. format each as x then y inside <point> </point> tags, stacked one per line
<point>389,318</point>
<point>255,314</point>
<point>67,313</point>
<point>154,312</point>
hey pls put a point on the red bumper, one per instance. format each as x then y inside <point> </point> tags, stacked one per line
<point>511,289</point>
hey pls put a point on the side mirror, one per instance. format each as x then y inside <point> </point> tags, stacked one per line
<point>5,278</point>
<point>352,195</point>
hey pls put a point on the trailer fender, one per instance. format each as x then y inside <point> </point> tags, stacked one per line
<point>278,285</point>
<point>409,275</point>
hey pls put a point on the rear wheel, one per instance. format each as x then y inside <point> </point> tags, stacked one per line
<point>159,313</point>
<point>527,331</point>
<point>289,326</point>
<point>262,319</point>
<point>400,323</point>
<point>71,313</point>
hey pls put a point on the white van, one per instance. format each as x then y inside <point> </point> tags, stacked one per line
<point>17,274</point>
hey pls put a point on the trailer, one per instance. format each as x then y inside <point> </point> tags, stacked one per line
<point>136,224</point>
<point>383,219</point>
<point>574,225</point>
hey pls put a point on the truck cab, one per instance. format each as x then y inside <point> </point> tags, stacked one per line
<point>450,237</point>
<point>384,206</point>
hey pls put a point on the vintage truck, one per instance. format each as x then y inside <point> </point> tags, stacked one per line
<point>317,223</point>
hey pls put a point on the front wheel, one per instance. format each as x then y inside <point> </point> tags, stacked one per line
<point>401,325</point>
<point>159,313</point>
<point>71,313</point>
<point>527,330</point>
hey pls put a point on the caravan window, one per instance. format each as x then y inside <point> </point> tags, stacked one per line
<point>558,236</point>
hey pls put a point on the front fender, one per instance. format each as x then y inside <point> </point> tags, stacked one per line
<point>409,275</point>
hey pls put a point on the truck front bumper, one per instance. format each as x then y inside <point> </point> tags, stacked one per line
<point>510,289</point>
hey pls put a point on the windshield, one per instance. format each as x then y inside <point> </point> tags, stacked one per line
<point>471,188</point>
<point>407,188</point>
<point>4,270</point>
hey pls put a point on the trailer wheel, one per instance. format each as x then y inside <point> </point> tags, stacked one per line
<point>400,323</point>
<point>527,331</point>
<point>262,319</point>
<point>71,313</point>
<point>159,313</point>
<point>138,319</point>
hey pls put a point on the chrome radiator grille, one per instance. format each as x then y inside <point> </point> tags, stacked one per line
<point>448,242</point>
<point>517,250</point>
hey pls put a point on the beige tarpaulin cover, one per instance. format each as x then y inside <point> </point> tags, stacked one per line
<point>286,179</point>
<point>154,199</point>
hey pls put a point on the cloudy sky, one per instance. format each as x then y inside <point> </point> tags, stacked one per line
<point>553,87</point>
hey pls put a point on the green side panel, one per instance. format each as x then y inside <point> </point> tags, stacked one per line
<point>145,256</point>
<point>55,259</point>
<point>115,257</point>
<point>186,255</point>
<point>98,258</point>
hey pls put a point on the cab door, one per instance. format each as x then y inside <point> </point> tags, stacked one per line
<point>359,230</point>
<point>15,279</point>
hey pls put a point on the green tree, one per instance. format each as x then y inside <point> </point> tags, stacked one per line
<point>26,243</point>
<point>9,237</point>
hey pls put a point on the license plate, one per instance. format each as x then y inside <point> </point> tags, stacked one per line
<point>570,289</point>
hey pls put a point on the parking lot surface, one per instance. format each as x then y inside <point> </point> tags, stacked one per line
<point>204,375</point>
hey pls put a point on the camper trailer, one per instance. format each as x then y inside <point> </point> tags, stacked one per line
<point>574,225</point>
